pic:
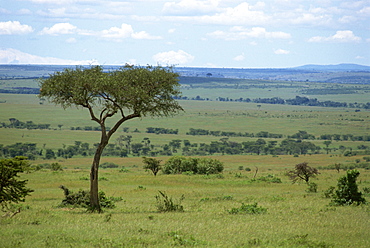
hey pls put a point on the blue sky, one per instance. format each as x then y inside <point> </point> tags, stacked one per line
<point>209,33</point>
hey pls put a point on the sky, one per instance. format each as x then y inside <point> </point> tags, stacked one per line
<point>185,33</point>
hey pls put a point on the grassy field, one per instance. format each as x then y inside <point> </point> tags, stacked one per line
<point>294,217</point>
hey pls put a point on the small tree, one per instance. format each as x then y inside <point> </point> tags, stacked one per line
<point>129,92</point>
<point>13,190</point>
<point>347,190</point>
<point>152,164</point>
<point>302,172</point>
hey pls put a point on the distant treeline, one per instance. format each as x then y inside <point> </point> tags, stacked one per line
<point>301,135</point>
<point>14,123</point>
<point>262,134</point>
<point>298,100</point>
<point>20,90</point>
<point>124,147</point>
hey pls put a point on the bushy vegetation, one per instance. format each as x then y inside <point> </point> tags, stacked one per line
<point>347,190</point>
<point>180,164</point>
<point>13,190</point>
<point>81,199</point>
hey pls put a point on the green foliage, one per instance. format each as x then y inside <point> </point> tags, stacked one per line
<point>166,204</point>
<point>312,187</point>
<point>347,190</point>
<point>248,209</point>
<point>180,164</point>
<point>329,193</point>
<point>152,164</point>
<point>81,199</point>
<point>302,172</point>
<point>13,190</point>
<point>56,167</point>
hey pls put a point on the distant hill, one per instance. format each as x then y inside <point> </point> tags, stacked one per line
<point>339,67</point>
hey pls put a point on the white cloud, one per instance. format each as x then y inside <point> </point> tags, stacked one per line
<point>60,28</point>
<point>241,14</point>
<point>190,7</point>
<point>240,57</point>
<point>173,58</point>
<point>281,51</point>
<point>113,33</point>
<point>122,32</point>
<point>126,31</point>
<point>13,56</point>
<point>239,33</point>
<point>142,35</point>
<point>339,36</point>
<point>14,27</point>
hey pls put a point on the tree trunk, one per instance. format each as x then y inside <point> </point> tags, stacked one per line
<point>94,178</point>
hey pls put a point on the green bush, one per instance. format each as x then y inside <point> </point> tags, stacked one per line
<point>347,190</point>
<point>248,209</point>
<point>56,167</point>
<point>312,187</point>
<point>180,164</point>
<point>329,193</point>
<point>81,199</point>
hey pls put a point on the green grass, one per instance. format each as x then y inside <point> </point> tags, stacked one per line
<point>294,218</point>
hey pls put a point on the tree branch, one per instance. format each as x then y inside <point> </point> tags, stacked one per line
<point>118,123</point>
<point>93,117</point>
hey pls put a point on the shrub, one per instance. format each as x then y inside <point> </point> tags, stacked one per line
<point>347,190</point>
<point>56,167</point>
<point>312,187</point>
<point>82,199</point>
<point>166,204</point>
<point>329,193</point>
<point>180,164</point>
<point>209,166</point>
<point>248,209</point>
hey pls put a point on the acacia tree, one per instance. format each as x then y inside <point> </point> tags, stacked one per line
<point>302,172</point>
<point>129,92</point>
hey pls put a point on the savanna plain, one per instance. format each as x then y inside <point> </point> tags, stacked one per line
<point>294,217</point>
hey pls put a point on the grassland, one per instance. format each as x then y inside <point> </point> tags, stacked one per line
<point>294,218</point>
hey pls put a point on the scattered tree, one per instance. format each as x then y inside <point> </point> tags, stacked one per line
<point>129,92</point>
<point>302,172</point>
<point>13,190</point>
<point>152,164</point>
